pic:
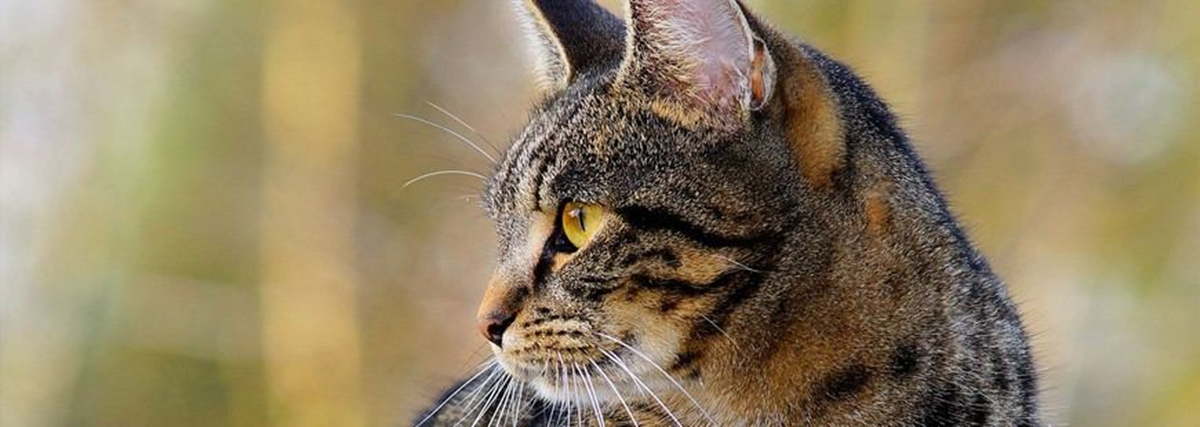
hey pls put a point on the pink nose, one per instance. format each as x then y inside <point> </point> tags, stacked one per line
<point>493,325</point>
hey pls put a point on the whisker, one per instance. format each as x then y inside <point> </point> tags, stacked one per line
<point>595,397</point>
<point>563,414</point>
<point>520,403</point>
<point>484,367</point>
<point>575,391</point>
<point>552,410</point>
<point>478,392</point>
<point>586,391</point>
<point>737,264</point>
<point>443,172</point>
<point>489,408</point>
<point>736,347</point>
<point>664,372</point>
<point>464,124</point>
<point>502,407</point>
<point>491,397</point>
<point>620,398</point>
<point>451,132</point>
<point>642,386</point>
<point>499,405</point>
<point>567,401</point>
<point>472,356</point>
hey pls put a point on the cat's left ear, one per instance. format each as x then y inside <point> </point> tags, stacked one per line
<point>570,38</point>
<point>700,56</point>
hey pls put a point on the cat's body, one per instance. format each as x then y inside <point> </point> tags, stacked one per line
<point>772,251</point>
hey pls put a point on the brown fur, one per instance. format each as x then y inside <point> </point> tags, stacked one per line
<point>813,125</point>
<point>777,256</point>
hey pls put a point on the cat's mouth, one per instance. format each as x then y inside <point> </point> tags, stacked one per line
<point>584,375</point>
<point>566,360</point>
<point>576,380</point>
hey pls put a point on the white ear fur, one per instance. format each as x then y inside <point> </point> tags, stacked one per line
<point>570,37</point>
<point>702,52</point>
<point>552,70</point>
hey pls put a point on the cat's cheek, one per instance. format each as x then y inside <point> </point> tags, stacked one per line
<point>643,329</point>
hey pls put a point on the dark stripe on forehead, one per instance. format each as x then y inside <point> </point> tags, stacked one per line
<point>503,183</point>
<point>657,219</point>
<point>539,177</point>
<point>517,159</point>
<point>546,153</point>
<point>527,159</point>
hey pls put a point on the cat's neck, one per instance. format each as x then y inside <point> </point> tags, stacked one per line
<point>835,332</point>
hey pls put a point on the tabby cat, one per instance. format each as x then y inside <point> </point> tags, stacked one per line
<point>707,223</point>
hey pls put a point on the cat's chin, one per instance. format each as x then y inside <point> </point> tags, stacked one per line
<point>555,388</point>
<point>574,388</point>
<point>577,392</point>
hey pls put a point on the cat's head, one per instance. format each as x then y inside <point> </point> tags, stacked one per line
<point>647,202</point>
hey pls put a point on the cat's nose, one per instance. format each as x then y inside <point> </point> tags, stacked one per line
<point>494,324</point>
<point>500,306</point>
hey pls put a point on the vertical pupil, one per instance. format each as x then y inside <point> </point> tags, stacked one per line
<point>579,217</point>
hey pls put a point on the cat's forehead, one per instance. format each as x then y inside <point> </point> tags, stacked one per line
<point>600,123</point>
<point>592,142</point>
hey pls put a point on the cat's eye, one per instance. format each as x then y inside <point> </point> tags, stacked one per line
<point>581,221</point>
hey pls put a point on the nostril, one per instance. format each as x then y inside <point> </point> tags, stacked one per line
<point>494,327</point>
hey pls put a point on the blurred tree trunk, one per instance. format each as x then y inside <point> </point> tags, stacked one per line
<point>311,333</point>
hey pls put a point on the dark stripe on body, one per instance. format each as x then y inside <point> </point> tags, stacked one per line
<point>941,406</point>
<point>665,255</point>
<point>676,286</point>
<point>905,360</point>
<point>844,383</point>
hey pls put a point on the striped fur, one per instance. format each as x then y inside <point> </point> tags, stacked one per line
<point>792,264</point>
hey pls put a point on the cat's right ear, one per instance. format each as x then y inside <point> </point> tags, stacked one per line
<point>570,38</point>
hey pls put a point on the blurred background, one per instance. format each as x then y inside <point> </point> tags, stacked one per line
<point>204,218</point>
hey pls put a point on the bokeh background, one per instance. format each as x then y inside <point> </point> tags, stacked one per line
<point>205,221</point>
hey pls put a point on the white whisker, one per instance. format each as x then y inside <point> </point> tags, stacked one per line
<point>722,331</point>
<point>664,372</point>
<point>472,398</point>
<point>567,401</point>
<point>587,385</point>
<point>501,405</point>
<point>443,172</point>
<point>561,408</point>
<point>464,124</point>
<point>575,392</point>
<point>640,384</point>
<point>484,367</point>
<point>520,403</point>
<point>509,401</point>
<point>615,391</point>
<point>451,132</point>
<point>737,264</point>
<point>491,397</point>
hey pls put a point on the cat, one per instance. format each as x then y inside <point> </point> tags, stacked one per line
<point>705,222</point>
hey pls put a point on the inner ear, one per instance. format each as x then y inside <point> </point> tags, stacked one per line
<point>762,75</point>
<point>698,54</point>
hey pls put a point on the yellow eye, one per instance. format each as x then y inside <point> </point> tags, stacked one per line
<point>581,221</point>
